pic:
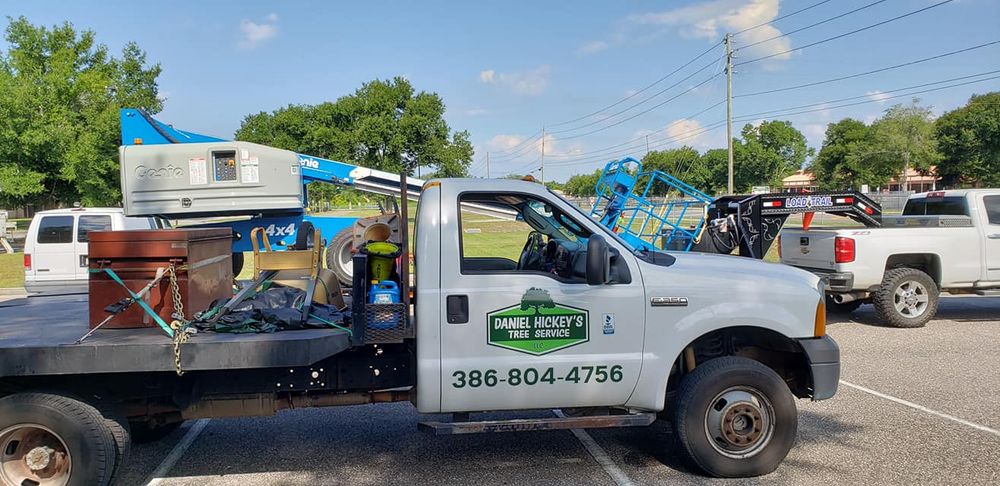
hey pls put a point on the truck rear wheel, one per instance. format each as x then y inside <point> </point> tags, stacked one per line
<point>339,256</point>
<point>906,298</point>
<point>735,417</point>
<point>48,439</point>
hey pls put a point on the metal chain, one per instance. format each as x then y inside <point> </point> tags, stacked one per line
<point>178,324</point>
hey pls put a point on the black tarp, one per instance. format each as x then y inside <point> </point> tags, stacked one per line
<point>275,309</point>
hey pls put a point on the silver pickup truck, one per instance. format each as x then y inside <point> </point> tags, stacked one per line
<point>945,241</point>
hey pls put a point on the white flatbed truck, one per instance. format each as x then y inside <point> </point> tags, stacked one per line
<point>718,345</point>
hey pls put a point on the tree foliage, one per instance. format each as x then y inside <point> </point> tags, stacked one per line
<point>384,125</point>
<point>767,153</point>
<point>60,95</point>
<point>582,185</point>
<point>969,141</point>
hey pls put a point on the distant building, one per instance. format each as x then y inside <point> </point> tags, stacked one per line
<point>805,181</point>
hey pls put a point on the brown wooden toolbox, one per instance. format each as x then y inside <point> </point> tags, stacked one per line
<point>202,257</point>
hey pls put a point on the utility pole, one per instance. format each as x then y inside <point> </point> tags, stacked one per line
<point>906,171</point>
<point>647,144</point>
<point>543,156</point>
<point>487,165</point>
<point>729,105</point>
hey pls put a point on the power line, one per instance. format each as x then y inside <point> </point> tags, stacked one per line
<point>668,100</point>
<point>637,93</point>
<point>531,138</point>
<point>646,100</point>
<point>748,29</point>
<point>839,36</point>
<point>841,100</point>
<point>663,143</point>
<point>866,73</point>
<point>800,29</point>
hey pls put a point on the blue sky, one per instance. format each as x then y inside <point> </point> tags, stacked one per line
<point>505,69</point>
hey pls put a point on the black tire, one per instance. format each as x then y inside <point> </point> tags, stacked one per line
<point>304,236</point>
<point>339,248</point>
<point>238,260</point>
<point>144,432</point>
<point>702,393</point>
<point>77,426</point>
<point>887,302</point>
<point>841,309</point>
<point>118,425</point>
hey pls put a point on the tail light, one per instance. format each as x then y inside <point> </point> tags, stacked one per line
<point>27,261</point>
<point>843,249</point>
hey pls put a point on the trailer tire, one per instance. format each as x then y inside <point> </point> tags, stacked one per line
<point>238,260</point>
<point>842,309</point>
<point>144,432</point>
<point>734,417</point>
<point>906,298</point>
<point>339,254</point>
<point>304,236</point>
<point>68,437</point>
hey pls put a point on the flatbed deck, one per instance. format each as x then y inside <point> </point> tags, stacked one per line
<point>37,336</point>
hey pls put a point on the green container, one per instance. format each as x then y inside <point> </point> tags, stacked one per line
<point>381,259</point>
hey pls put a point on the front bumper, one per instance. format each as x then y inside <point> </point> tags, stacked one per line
<point>824,363</point>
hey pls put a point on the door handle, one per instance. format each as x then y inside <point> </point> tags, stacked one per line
<point>994,236</point>
<point>83,260</point>
<point>457,309</point>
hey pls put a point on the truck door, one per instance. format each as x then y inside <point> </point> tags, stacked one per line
<point>54,255</point>
<point>522,327</point>
<point>992,219</point>
<point>86,224</point>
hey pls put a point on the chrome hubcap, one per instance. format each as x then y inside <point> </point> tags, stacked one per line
<point>911,299</point>
<point>739,422</point>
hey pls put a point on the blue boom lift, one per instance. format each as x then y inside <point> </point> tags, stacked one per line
<point>281,225</point>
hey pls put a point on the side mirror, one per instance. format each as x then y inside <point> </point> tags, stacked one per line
<point>598,261</point>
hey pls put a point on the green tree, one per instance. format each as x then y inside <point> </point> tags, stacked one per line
<point>582,185</point>
<point>767,153</point>
<point>684,163</point>
<point>60,95</point>
<point>969,141</point>
<point>384,125</point>
<point>844,161</point>
<point>903,137</point>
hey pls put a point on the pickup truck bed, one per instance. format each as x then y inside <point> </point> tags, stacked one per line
<point>37,337</point>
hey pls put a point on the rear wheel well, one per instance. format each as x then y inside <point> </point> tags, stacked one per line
<point>928,263</point>
<point>780,353</point>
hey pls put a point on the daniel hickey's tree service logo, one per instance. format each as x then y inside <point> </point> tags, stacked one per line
<point>538,325</point>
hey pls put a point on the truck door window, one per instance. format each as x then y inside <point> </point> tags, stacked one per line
<point>92,222</point>
<point>539,239</point>
<point>55,229</point>
<point>992,204</point>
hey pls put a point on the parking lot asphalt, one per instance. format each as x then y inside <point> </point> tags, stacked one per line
<point>915,406</point>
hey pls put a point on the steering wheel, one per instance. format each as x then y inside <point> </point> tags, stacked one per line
<point>531,254</point>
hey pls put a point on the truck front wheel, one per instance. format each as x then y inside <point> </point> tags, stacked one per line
<point>734,417</point>
<point>906,298</point>
<point>53,439</point>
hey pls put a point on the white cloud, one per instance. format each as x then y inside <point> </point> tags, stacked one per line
<point>255,33</point>
<point>711,19</point>
<point>531,82</point>
<point>504,142</point>
<point>592,47</point>
<point>878,96</point>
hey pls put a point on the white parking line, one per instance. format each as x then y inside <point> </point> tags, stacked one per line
<point>922,408</point>
<point>156,477</point>
<point>599,455</point>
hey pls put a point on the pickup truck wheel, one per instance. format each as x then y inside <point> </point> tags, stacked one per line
<point>906,298</point>
<point>53,440</point>
<point>339,256</point>
<point>735,417</point>
<point>841,309</point>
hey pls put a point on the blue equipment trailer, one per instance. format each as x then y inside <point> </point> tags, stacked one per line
<point>690,220</point>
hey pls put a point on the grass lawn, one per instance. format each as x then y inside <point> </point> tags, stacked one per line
<point>11,270</point>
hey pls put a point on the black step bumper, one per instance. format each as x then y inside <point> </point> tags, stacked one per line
<point>824,363</point>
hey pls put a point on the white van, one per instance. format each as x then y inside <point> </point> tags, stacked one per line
<point>55,249</point>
